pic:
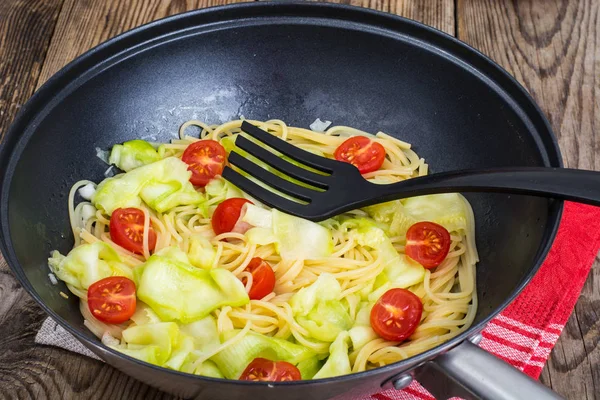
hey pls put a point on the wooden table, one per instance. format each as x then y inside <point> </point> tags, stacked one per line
<point>552,47</point>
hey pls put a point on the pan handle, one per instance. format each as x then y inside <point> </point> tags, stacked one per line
<point>472,373</point>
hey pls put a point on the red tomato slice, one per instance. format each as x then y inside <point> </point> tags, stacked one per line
<point>206,159</point>
<point>127,230</point>
<point>263,278</point>
<point>227,213</point>
<point>427,243</point>
<point>263,370</point>
<point>112,300</point>
<point>396,314</point>
<point>362,152</point>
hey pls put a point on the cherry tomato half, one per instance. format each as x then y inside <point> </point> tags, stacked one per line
<point>362,152</point>
<point>112,300</point>
<point>396,314</point>
<point>227,214</point>
<point>427,243</point>
<point>127,230</point>
<point>263,278</point>
<point>263,370</point>
<point>206,159</point>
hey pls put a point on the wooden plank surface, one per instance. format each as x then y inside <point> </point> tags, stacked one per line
<point>436,13</point>
<point>552,47</point>
<point>25,32</point>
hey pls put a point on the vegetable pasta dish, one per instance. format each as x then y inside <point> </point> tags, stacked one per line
<point>177,267</point>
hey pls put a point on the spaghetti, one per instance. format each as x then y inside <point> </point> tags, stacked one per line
<point>448,292</point>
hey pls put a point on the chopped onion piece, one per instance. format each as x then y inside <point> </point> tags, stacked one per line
<point>53,278</point>
<point>102,154</point>
<point>319,126</point>
<point>87,212</point>
<point>87,191</point>
<point>241,227</point>
<point>255,216</point>
<point>109,172</point>
<point>110,340</point>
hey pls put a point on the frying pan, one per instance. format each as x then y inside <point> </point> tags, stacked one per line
<point>293,61</point>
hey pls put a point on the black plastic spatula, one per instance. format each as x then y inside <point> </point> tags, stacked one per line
<point>340,187</point>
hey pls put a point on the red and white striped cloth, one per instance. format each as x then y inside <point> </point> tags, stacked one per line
<point>526,331</point>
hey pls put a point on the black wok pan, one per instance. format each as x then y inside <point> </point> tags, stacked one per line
<point>295,62</point>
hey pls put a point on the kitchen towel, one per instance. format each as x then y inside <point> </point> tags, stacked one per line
<point>524,333</point>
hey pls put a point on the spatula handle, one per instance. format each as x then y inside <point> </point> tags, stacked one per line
<point>567,184</point>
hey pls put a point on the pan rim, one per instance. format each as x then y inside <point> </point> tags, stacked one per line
<point>42,98</point>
